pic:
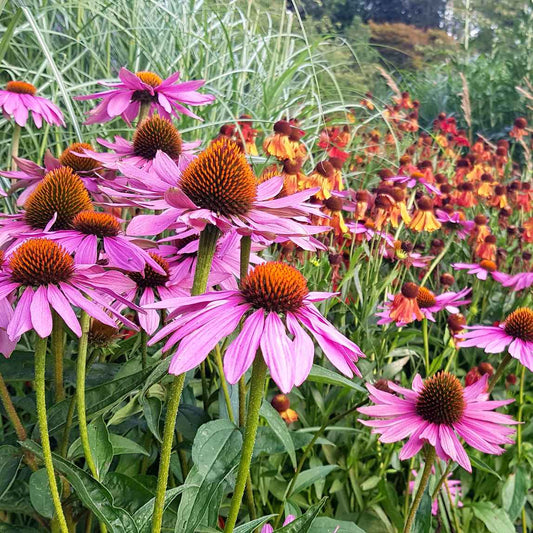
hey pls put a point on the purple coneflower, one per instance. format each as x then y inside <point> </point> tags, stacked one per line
<point>48,278</point>
<point>515,333</point>
<point>154,135</point>
<point>439,411</point>
<point>94,233</point>
<point>456,222</point>
<point>482,270</point>
<point>220,189</point>
<point>413,181</point>
<point>19,98</point>
<point>164,96</point>
<point>275,300</point>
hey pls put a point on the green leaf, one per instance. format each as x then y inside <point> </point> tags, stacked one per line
<point>101,447</point>
<point>128,492</point>
<point>123,445</point>
<point>143,516</point>
<point>152,408</point>
<point>422,522</point>
<point>478,463</point>
<point>251,526</point>
<point>99,399</point>
<point>320,374</point>
<point>514,493</point>
<point>324,524</point>
<point>215,453</point>
<point>92,493</point>
<point>304,522</point>
<point>8,33</point>
<point>494,518</point>
<point>279,427</point>
<point>390,503</point>
<point>308,477</point>
<point>10,459</point>
<point>40,495</point>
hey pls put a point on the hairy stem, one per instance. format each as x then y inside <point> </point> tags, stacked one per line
<point>40,392</point>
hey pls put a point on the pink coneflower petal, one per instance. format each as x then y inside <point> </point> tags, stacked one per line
<point>241,352</point>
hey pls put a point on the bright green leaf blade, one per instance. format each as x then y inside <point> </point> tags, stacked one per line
<point>279,427</point>
<point>494,518</point>
<point>514,493</point>
<point>308,477</point>
<point>319,374</point>
<point>251,526</point>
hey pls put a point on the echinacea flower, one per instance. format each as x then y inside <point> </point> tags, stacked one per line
<point>455,221</point>
<point>415,179</point>
<point>153,136</point>
<point>273,300</point>
<point>153,285</point>
<point>47,278</point>
<point>430,303</point>
<point>54,203</point>
<point>19,98</point>
<point>515,334</point>
<point>29,174</point>
<point>165,97</point>
<point>439,411</point>
<point>482,270</point>
<point>519,282</point>
<point>93,233</point>
<point>219,188</point>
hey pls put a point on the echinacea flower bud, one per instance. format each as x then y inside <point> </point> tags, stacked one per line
<point>156,133</point>
<point>485,368</point>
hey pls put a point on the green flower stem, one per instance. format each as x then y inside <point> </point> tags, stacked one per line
<point>80,393</point>
<point>206,251</point>
<point>144,349</point>
<point>223,382</point>
<point>15,420</point>
<point>242,401</point>
<point>246,248</point>
<point>143,112</point>
<point>437,259</point>
<point>257,389</point>
<point>15,143</point>
<point>40,367</point>
<point>519,435</point>
<point>430,459</point>
<point>441,480</point>
<point>499,371</point>
<point>58,352</point>
<point>426,344</point>
<point>166,449</point>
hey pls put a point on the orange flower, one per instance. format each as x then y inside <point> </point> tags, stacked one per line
<point>405,306</point>
<point>487,249</point>
<point>278,144</point>
<point>423,218</point>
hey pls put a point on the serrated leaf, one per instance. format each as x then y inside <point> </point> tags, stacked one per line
<point>91,492</point>
<point>10,458</point>
<point>308,477</point>
<point>304,522</point>
<point>320,374</point>
<point>279,427</point>
<point>40,495</point>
